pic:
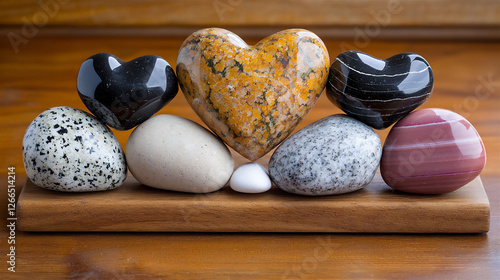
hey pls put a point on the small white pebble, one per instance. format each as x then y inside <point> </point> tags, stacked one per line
<point>250,178</point>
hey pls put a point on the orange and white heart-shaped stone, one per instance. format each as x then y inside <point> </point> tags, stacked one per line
<point>252,96</point>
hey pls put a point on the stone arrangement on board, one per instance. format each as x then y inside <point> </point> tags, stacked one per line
<point>252,98</point>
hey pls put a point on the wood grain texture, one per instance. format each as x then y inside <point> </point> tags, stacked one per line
<point>43,74</point>
<point>373,209</point>
<point>250,13</point>
<point>358,19</point>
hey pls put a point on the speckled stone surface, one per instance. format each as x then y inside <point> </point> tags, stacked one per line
<point>69,150</point>
<point>432,151</point>
<point>334,155</point>
<point>252,96</point>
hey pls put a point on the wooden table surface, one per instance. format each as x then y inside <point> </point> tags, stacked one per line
<point>43,75</point>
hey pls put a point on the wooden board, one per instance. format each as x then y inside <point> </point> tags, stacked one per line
<point>134,207</point>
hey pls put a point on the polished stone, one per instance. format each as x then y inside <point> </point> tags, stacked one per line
<point>379,92</point>
<point>125,94</point>
<point>173,153</point>
<point>250,177</point>
<point>252,96</point>
<point>334,155</point>
<point>432,151</point>
<point>69,150</point>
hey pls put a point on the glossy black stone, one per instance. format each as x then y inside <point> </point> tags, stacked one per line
<point>379,92</point>
<point>125,94</point>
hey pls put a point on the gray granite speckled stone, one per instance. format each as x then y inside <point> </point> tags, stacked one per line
<point>334,155</point>
<point>69,150</point>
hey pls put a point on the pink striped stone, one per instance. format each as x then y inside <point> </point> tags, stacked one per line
<point>432,151</point>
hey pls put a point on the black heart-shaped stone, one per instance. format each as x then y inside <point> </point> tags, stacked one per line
<point>379,92</point>
<point>125,94</point>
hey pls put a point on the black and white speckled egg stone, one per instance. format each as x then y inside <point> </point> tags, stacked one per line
<point>69,150</point>
<point>334,155</point>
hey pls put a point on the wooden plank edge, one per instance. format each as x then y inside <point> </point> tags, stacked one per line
<point>231,218</point>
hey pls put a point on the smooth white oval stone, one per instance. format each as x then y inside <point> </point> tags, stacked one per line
<point>173,153</point>
<point>251,177</point>
<point>69,150</point>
